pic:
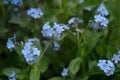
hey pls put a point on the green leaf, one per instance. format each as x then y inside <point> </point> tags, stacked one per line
<point>56,78</point>
<point>8,71</point>
<point>90,39</point>
<point>44,64</point>
<point>74,65</point>
<point>35,73</point>
<point>39,68</point>
<point>22,22</point>
<point>94,71</point>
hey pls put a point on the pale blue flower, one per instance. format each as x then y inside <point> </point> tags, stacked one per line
<point>116,58</point>
<point>102,10</point>
<point>10,43</point>
<point>47,30</point>
<point>16,2</point>
<point>101,20</point>
<point>12,76</point>
<point>56,45</point>
<point>35,13</point>
<point>55,31</point>
<point>30,52</point>
<point>107,66</point>
<point>64,72</point>
<point>75,20</point>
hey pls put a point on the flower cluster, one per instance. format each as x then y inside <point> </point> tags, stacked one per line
<point>35,13</point>
<point>102,20</point>
<point>102,10</point>
<point>12,76</point>
<point>55,31</point>
<point>107,66</point>
<point>64,72</point>
<point>10,43</point>
<point>100,17</point>
<point>30,52</point>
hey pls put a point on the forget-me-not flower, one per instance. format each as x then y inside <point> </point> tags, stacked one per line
<point>64,72</point>
<point>101,20</point>
<point>35,13</point>
<point>102,10</point>
<point>16,2</point>
<point>55,31</point>
<point>10,43</point>
<point>30,52</point>
<point>56,45</point>
<point>12,76</point>
<point>107,66</point>
<point>116,58</point>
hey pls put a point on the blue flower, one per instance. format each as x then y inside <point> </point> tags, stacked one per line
<point>107,66</point>
<point>10,43</point>
<point>75,20</point>
<point>101,20</point>
<point>47,30</point>
<point>102,10</point>
<point>16,2</point>
<point>12,76</point>
<point>116,58</point>
<point>55,31</point>
<point>35,13</point>
<point>30,52</point>
<point>64,72</point>
<point>56,45</point>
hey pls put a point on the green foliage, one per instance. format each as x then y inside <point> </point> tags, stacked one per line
<point>74,66</point>
<point>80,47</point>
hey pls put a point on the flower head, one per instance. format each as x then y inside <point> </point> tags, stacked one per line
<point>12,76</point>
<point>55,31</point>
<point>10,43</point>
<point>16,2</point>
<point>75,20</point>
<point>116,58</point>
<point>101,20</point>
<point>56,45</point>
<point>30,52</point>
<point>102,10</point>
<point>35,13</point>
<point>107,66</point>
<point>64,72</point>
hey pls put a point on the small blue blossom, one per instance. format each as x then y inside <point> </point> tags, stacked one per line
<point>30,52</point>
<point>16,2</point>
<point>56,45</point>
<point>64,72</point>
<point>74,20</point>
<point>116,58</point>
<point>35,13</point>
<point>12,76</point>
<point>101,20</point>
<point>10,43</point>
<point>47,30</point>
<point>55,31</point>
<point>102,10</point>
<point>107,66</point>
